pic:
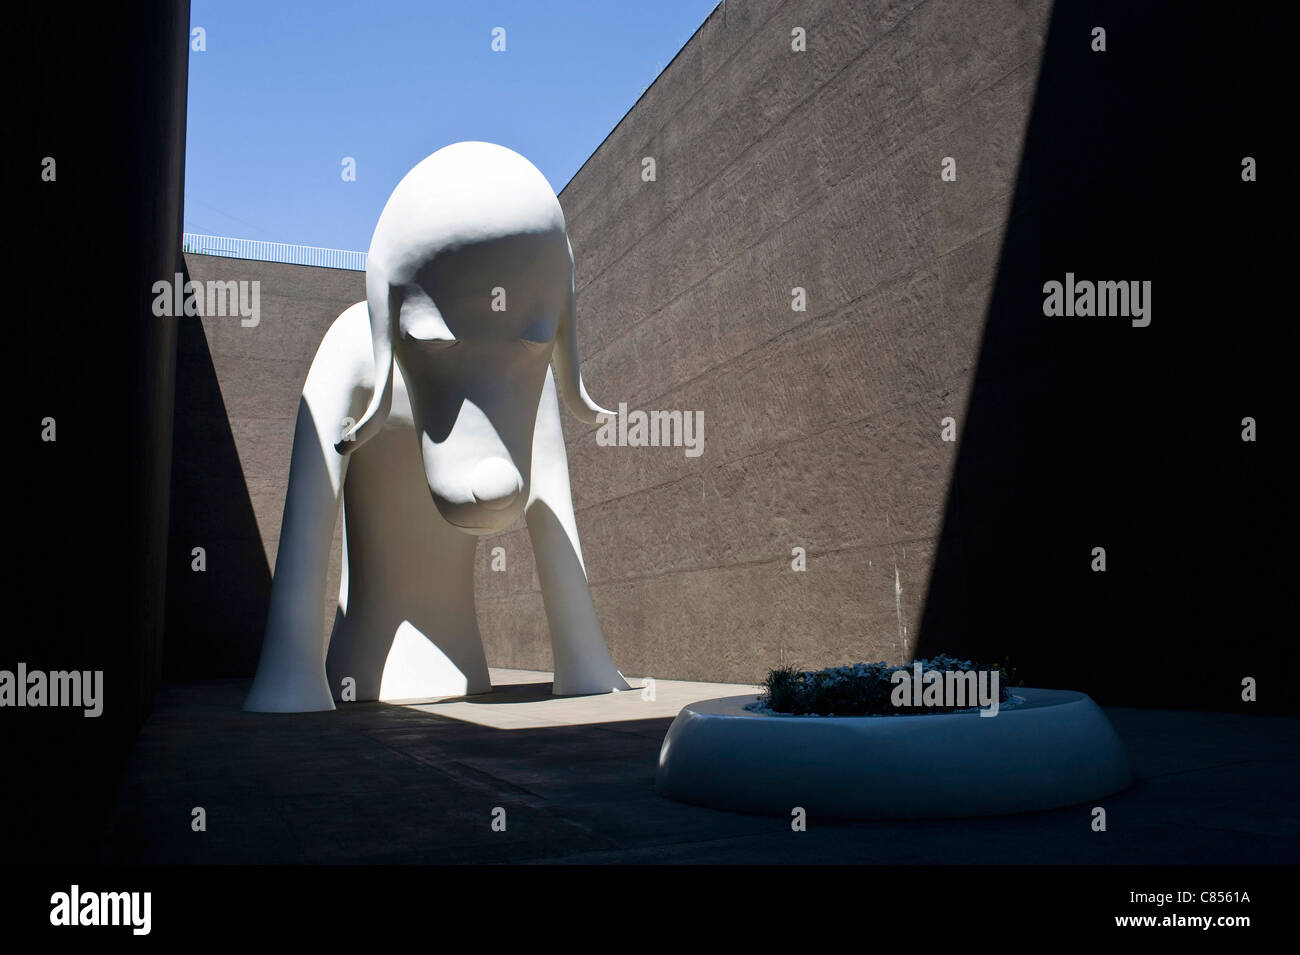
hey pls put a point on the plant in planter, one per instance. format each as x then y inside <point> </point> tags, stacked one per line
<point>1037,749</point>
<point>863,689</point>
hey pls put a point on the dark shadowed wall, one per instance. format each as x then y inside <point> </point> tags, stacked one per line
<point>1088,432</point>
<point>100,90</point>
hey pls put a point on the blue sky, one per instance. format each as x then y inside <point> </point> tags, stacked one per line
<point>286,89</point>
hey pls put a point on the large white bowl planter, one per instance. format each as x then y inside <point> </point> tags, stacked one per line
<point>1055,749</point>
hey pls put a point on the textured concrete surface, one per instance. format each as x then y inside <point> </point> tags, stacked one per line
<point>778,169</point>
<point>374,782</point>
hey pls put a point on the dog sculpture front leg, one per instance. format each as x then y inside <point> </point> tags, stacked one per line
<point>582,660</point>
<point>291,672</point>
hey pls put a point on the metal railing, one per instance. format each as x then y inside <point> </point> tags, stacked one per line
<point>262,251</point>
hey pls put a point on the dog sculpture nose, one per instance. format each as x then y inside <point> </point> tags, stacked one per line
<point>496,484</point>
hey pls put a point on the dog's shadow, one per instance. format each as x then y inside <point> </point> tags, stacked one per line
<point>513,693</point>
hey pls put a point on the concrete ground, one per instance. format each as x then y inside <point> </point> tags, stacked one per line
<point>419,783</point>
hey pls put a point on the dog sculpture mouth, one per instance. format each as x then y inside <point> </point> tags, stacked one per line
<point>479,529</point>
<point>478,519</point>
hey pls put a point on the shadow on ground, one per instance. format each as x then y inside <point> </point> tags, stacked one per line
<point>376,783</point>
<point>514,693</point>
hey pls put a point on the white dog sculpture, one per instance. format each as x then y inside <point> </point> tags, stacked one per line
<point>445,370</point>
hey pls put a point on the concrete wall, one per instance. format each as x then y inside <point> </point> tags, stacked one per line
<point>822,170</point>
<point>237,398</point>
<point>778,169</point>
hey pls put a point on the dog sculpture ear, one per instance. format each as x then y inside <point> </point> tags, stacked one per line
<point>382,303</point>
<point>564,356</point>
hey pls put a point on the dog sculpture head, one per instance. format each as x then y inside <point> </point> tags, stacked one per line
<point>470,287</point>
